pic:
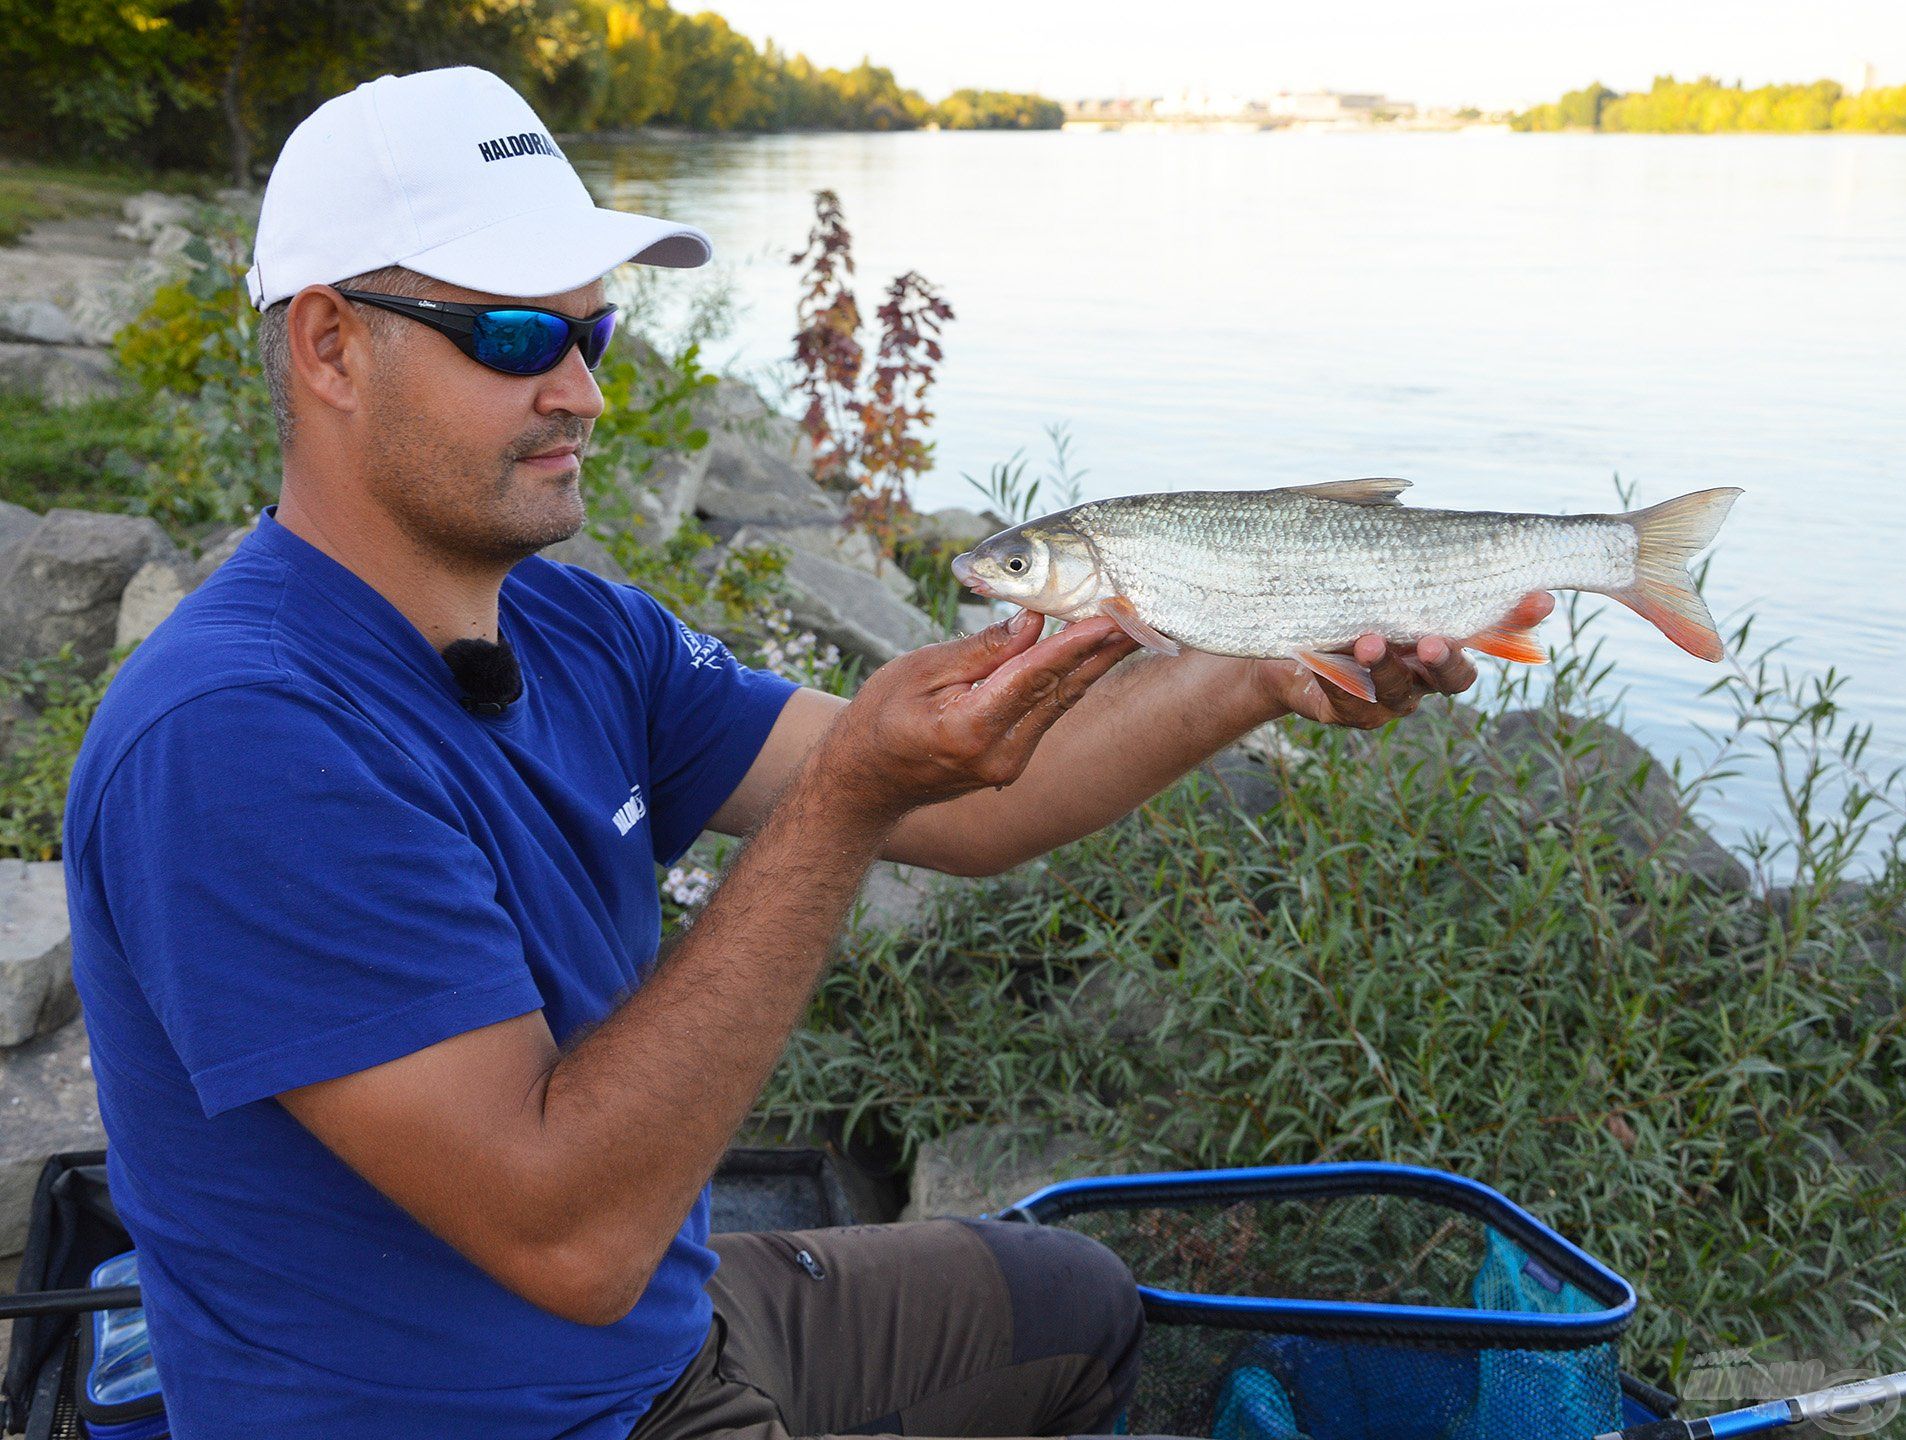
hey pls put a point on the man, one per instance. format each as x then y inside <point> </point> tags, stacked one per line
<point>411,1133</point>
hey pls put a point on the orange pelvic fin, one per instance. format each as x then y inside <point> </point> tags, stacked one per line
<point>1343,671</point>
<point>1120,609</point>
<point>1513,636</point>
<point>1667,536</point>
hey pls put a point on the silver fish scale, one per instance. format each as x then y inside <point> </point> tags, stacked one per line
<point>1269,573</point>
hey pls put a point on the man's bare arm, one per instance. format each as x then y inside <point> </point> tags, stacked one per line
<point>566,1176</point>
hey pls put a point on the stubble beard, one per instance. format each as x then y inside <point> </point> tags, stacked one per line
<point>440,500</point>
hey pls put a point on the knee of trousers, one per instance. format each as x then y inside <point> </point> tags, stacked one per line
<point>1070,1296</point>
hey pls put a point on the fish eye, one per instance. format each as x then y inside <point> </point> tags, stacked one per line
<point>1016,564</point>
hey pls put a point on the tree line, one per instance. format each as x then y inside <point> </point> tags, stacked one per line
<point>1706,106</point>
<point>214,85</point>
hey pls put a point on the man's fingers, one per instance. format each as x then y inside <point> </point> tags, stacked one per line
<point>1069,690</point>
<point>1448,668</point>
<point>974,657</point>
<point>1396,687</point>
<point>1025,676</point>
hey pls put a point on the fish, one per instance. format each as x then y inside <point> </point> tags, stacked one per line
<point>1301,572</point>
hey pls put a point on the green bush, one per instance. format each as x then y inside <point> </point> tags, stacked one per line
<point>48,704</point>
<point>1408,956</point>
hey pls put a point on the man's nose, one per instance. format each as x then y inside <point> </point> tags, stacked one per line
<point>571,387</point>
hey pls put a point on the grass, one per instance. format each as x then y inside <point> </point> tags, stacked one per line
<point>90,455</point>
<point>31,192</point>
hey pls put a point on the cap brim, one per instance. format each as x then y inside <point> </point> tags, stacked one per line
<point>545,252</point>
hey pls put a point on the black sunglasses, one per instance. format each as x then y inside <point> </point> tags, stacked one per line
<point>516,339</point>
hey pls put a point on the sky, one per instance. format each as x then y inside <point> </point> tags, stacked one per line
<point>1493,53</point>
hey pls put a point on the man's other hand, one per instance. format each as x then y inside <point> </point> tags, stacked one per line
<point>1401,674</point>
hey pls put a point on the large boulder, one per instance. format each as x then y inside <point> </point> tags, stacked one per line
<point>36,322</point>
<point>956,528</point>
<point>1566,755</point>
<point>832,541</point>
<point>586,552</point>
<point>981,1169</point>
<point>851,609</point>
<point>62,583</point>
<point>894,897</point>
<point>746,481</point>
<point>58,374</point>
<point>16,523</point>
<point>36,951</point>
<point>153,593</point>
<point>48,1104</point>
<point>734,407</point>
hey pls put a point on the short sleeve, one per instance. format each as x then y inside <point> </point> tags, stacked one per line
<point>708,717</point>
<point>295,897</point>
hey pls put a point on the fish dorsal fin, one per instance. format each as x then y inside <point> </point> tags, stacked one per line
<point>1377,490</point>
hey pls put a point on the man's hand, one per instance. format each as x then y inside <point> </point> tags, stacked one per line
<point>963,715</point>
<point>1402,674</point>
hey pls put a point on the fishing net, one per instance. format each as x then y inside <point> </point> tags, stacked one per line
<point>1358,1302</point>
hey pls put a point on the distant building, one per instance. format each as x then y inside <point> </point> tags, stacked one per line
<point>1324,106</point>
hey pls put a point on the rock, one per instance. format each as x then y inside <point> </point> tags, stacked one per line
<point>1240,780</point>
<point>746,482</point>
<point>36,322</point>
<point>956,527</point>
<point>852,609</point>
<point>975,618</point>
<point>9,1282</point>
<point>154,592</point>
<point>59,374</point>
<point>150,213</point>
<point>1649,819</point>
<point>47,1104</point>
<point>62,583</point>
<point>16,523</point>
<point>586,552</point>
<point>36,951</point>
<point>1115,1003</point>
<point>854,548</point>
<point>981,1169</point>
<point>894,897</point>
<point>214,552</point>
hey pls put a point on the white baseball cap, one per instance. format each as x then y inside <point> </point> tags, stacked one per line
<point>448,173</point>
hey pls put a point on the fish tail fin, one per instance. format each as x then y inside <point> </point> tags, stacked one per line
<point>1668,536</point>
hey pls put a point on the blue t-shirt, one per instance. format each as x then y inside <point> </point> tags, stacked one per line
<point>290,855</point>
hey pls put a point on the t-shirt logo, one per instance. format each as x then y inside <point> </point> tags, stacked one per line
<point>704,651</point>
<point>629,814</point>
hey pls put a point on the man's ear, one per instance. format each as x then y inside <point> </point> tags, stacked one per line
<point>330,347</point>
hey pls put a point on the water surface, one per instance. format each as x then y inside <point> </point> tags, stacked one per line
<point>1506,320</point>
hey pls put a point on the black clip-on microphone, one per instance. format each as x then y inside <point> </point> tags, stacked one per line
<point>486,672</point>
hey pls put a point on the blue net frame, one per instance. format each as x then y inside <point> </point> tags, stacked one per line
<point>1354,1302</point>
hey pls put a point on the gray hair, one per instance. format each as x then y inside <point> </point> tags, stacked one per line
<point>274,344</point>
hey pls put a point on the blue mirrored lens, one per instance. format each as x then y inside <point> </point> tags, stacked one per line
<point>598,341</point>
<point>520,341</point>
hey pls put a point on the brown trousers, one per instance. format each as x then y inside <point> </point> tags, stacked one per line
<point>940,1328</point>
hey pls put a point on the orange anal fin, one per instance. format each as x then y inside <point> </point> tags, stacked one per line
<point>1513,636</point>
<point>1340,670</point>
<point>1121,610</point>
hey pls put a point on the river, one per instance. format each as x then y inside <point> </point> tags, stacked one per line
<point>1509,321</point>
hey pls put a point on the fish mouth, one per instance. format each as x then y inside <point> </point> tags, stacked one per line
<point>964,572</point>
